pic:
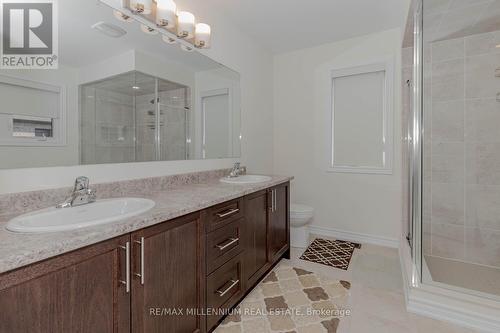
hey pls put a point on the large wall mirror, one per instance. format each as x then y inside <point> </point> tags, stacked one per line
<point>117,99</point>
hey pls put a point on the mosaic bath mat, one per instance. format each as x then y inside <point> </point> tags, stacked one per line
<point>335,253</point>
<point>291,299</point>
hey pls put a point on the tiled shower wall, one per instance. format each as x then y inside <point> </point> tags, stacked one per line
<point>461,195</point>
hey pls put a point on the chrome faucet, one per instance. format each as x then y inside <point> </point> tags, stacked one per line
<point>235,171</point>
<point>81,195</point>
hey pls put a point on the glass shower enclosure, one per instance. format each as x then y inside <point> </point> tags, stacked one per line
<point>134,117</point>
<point>451,125</point>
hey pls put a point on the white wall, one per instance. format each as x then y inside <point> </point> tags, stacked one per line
<point>229,47</point>
<point>359,203</point>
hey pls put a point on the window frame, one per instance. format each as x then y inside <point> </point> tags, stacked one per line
<point>387,118</point>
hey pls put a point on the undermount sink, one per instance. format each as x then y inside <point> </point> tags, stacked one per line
<point>246,179</point>
<point>63,219</point>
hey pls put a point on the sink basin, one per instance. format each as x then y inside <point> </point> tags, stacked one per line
<point>246,179</point>
<point>63,219</point>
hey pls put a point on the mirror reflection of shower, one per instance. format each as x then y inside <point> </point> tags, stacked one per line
<point>134,117</point>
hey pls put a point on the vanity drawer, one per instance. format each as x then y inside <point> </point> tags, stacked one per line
<point>223,214</point>
<point>223,244</point>
<point>224,289</point>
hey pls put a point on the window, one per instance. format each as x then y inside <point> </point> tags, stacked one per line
<point>361,113</point>
<point>32,113</point>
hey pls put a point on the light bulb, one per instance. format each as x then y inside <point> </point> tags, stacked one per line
<point>166,13</point>
<point>202,35</point>
<point>142,6</point>
<point>185,25</point>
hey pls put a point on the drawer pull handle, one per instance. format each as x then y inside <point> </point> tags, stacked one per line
<point>228,213</point>
<point>227,244</point>
<point>141,274</point>
<point>127,267</point>
<point>233,284</point>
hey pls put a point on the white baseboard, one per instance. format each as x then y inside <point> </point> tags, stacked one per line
<point>445,304</point>
<point>353,236</point>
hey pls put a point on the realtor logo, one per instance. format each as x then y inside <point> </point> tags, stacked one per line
<point>29,34</point>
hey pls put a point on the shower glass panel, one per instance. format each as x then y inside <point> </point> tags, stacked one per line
<point>460,175</point>
<point>134,117</point>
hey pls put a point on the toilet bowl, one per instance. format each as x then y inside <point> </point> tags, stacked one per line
<point>300,217</point>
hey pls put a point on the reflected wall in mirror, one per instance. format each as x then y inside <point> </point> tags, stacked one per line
<point>133,98</point>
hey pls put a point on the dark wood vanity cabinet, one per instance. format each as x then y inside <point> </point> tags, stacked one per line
<point>255,237</point>
<point>168,277</point>
<point>164,278</point>
<point>76,292</point>
<point>278,234</point>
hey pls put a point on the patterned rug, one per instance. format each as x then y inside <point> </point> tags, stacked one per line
<point>291,300</point>
<point>335,253</point>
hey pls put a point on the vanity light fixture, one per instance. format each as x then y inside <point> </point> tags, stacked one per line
<point>187,48</point>
<point>136,87</point>
<point>168,39</point>
<point>122,17</point>
<point>185,25</point>
<point>202,35</point>
<point>148,30</point>
<point>166,13</point>
<point>161,16</point>
<point>141,6</point>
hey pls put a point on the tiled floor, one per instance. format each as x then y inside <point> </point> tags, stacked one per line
<point>461,274</point>
<point>376,294</point>
<point>377,298</point>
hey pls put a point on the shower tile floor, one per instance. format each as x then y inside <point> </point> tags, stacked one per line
<point>464,275</point>
<point>376,295</point>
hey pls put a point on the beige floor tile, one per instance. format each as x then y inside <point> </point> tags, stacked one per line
<point>281,322</point>
<point>314,328</point>
<point>258,325</point>
<point>296,298</point>
<point>271,289</point>
<point>309,281</point>
<point>290,285</point>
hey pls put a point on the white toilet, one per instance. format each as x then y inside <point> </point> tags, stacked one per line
<point>300,217</point>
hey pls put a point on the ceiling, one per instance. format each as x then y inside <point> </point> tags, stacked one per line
<point>286,25</point>
<point>134,83</point>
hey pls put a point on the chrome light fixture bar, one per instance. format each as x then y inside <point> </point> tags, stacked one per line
<point>161,16</point>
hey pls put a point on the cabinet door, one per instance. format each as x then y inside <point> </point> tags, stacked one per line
<point>278,228</point>
<point>168,283</point>
<point>75,292</point>
<point>255,237</point>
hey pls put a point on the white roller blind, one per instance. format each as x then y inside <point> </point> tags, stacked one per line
<point>26,101</point>
<point>361,132</point>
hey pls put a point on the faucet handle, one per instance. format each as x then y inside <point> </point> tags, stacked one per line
<point>81,183</point>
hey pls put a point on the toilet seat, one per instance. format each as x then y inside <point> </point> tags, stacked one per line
<point>301,211</point>
<point>300,217</point>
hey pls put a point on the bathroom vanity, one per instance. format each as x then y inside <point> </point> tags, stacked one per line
<point>172,275</point>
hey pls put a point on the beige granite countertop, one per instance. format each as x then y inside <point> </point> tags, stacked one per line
<point>17,250</point>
